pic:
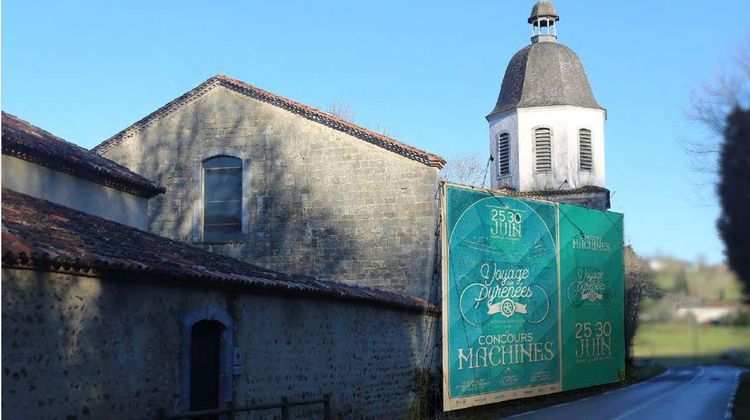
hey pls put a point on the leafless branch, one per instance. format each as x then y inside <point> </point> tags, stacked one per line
<point>341,110</point>
<point>711,103</point>
<point>729,87</point>
<point>468,169</point>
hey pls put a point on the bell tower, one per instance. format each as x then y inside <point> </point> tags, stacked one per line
<point>547,129</point>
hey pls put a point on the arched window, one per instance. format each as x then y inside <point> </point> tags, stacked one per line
<point>543,149</point>
<point>222,198</point>
<point>503,155</point>
<point>585,151</point>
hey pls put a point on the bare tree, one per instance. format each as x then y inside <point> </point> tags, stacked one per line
<point>729,88</point>
<point>342,110</point>
<point>711,104</point>
<point>639,285</point>
<point>467,169</point>
<point>345,111</point>
<point>383,129</point>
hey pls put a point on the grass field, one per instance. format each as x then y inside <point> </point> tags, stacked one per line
<point>685,341</point>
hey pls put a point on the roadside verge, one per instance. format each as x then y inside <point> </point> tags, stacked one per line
<point>741,409</point>
<point>511,408</point>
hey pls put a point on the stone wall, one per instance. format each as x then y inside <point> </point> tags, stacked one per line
<point>113,348</point>
<point>599,200</point>
<point>319,201</point>
<point>564,123</point>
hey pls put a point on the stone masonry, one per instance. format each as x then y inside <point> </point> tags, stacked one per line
<point>319,201</point>
<point>78,347</point>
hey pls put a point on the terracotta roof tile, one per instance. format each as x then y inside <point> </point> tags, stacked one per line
<point>28,142</point>
<point>305,111</point>
<point>47,236</point>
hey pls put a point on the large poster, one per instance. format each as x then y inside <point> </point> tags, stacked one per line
<point>503,333</point>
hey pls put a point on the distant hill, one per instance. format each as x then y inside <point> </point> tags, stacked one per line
<point>695,281</point>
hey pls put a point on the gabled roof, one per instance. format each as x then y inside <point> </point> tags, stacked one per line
<point>305,111</point>
<point>28,142</point>
<point>42,235</point>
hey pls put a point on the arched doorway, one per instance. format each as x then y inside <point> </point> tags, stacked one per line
<point>205,365</point>
<point>207,359</point>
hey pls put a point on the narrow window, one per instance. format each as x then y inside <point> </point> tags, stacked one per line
<point>222,198</point>
<point>543,146</point>
<point>503,155</point>
<point>584,140</point>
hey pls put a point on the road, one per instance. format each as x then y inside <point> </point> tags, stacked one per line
<point>694,392</point>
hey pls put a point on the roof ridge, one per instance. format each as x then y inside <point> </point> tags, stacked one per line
<point>305,111</point>
<point>54,137</point>
<point>163,111</point>
<point>29,142</point>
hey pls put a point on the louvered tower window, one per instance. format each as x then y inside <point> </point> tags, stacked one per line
<point>503,155</point>
<point>543,147</point>
<point>587,159</point>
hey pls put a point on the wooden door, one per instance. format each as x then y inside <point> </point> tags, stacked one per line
<point>205,348</point>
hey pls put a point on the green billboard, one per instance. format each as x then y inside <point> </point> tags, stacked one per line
<point>591,278</point>
<point>532,297</point>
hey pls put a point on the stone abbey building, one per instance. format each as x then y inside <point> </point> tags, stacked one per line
<point>101,319</point>
<point>267,180</point>
<point>294,250</point>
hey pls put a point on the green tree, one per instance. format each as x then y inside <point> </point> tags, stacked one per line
<point>721,105</point>
<point>734,193</point>
<point>681,283</point>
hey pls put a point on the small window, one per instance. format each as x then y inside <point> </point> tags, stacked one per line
<point>222,198</point>
<point>587,159</point>
<point>543,147</point>
<point>503,155</point>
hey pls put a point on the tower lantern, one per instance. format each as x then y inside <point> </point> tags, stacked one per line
<point>543,22</point>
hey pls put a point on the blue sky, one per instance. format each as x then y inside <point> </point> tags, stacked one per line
<point>429,71</point>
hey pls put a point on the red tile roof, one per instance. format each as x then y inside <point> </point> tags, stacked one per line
<point>28,142</point>
<point>42,235</point>
<point>305,111</point>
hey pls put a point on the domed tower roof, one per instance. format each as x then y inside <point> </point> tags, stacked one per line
<point>544,73</point>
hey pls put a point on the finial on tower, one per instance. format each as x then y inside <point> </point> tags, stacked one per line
<point>543,22</point>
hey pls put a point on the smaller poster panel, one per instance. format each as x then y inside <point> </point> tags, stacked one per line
<point>592,301</point>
